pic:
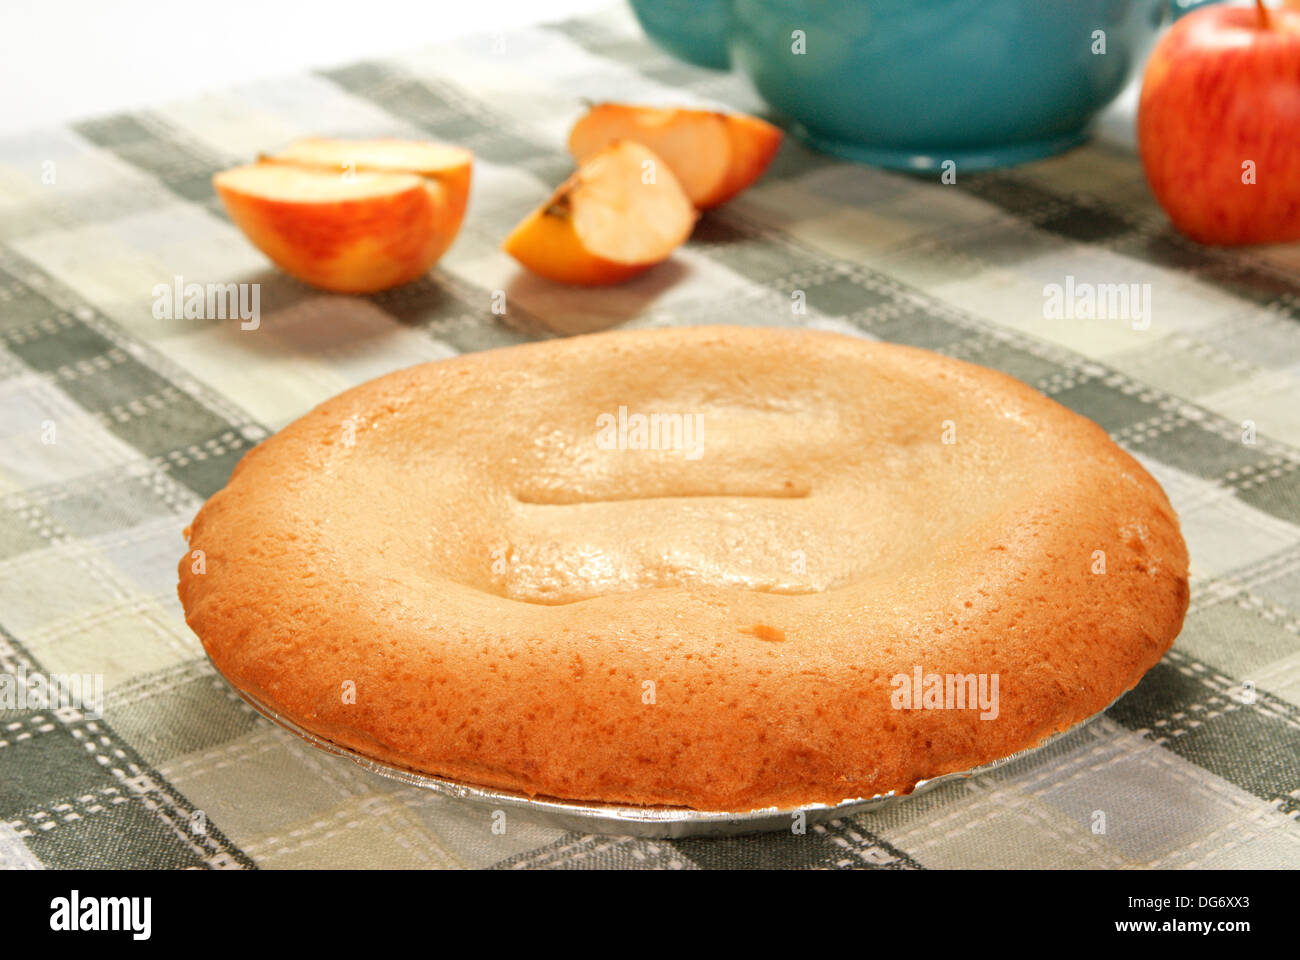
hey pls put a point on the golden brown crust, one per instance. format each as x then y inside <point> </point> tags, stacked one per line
<point>508,597</point>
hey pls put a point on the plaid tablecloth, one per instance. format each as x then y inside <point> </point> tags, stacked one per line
<point>115,425</point>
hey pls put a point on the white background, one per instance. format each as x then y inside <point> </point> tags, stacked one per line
<point>64,60</point>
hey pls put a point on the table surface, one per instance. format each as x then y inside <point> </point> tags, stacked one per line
<point>116,424</point>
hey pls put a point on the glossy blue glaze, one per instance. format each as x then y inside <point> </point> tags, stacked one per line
<point>911,83</point>
<point>691,30</point>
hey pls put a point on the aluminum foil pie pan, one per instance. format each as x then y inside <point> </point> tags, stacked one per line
<point>621,820</point>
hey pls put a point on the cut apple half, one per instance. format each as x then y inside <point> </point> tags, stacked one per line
<point>714,155</point>
<point>622,212</point>
<point>438,160</point>
<point>351,216</point>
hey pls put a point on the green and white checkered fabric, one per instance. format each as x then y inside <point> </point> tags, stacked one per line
<point>1198,767</point>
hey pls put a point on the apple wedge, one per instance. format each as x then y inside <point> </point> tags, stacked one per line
<point>714,155</point>
<point>622,212</point>
<point>351,216</point>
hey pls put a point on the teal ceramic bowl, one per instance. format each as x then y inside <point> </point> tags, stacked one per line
<point>910,84</point>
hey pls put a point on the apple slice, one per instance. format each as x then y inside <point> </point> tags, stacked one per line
<point>449,166</point>
<point>351,216</point>
<point>622,212</point>
<point>437,160</point>
<point>714,155</point>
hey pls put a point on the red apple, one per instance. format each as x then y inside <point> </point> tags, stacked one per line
<point>353,216</point>
<point>1219,124</point>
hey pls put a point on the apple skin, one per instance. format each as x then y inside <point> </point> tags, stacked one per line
<point>384,226</point>
<point>347,246</point>
<point>714,155</point>
<point>578,236</point>
<point>1221,89</point>
<point>546,243</point>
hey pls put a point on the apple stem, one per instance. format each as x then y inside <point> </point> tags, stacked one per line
<point>1263,14</point>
